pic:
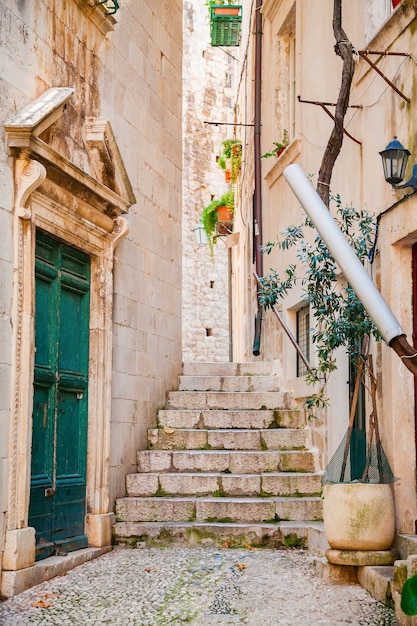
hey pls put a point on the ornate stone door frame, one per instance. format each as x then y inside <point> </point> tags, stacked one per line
<point>54,195</point>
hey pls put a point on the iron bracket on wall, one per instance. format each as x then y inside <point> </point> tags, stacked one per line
<point>324,106</point>
<point>364,55</point>
<point>110,10</point>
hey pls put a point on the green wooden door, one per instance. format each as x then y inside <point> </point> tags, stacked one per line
<point>59,439</point>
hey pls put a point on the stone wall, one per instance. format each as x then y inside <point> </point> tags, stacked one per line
<point>208,74</point>
<point>127,69</point>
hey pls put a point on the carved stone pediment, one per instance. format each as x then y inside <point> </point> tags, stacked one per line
<point>107,189</point>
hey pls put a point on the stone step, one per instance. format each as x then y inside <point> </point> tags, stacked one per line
<point>180,509</point>
<point>233,462</point>
<point>277,535</point>
<point>169,438</point>
<point>230,383</point>
<point>257,419</point>
<point>378,581</point>
<point>236,400</point>
<point>220,485</point>
<point>258,368</point>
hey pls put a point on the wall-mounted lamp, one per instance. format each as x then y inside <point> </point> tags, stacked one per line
<point>200,234</point>
<point>394,162</point>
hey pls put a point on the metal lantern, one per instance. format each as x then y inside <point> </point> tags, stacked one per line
<point>394,161</point>
<point>200,234</point>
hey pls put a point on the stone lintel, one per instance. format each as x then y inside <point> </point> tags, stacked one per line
<point>69,176</point>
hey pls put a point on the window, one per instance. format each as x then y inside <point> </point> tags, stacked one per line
<point>284,74</point>
<point>376,12</point>
<point>303,338</point>
<point>292,86</point>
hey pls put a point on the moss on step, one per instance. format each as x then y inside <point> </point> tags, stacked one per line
<point>293,541</point>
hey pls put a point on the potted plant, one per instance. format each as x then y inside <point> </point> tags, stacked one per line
<point>340,321</point>
<point>230,159</point>
<point>217,218</point>
<point>279,147</point>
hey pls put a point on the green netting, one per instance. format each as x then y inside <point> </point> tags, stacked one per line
<point>358,461</point>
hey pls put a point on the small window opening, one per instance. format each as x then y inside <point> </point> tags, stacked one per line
<point>303,338</point>
<point>211,284</point>
<point>209,332</point>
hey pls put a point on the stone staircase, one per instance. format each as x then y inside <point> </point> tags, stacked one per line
<point>229,462</point>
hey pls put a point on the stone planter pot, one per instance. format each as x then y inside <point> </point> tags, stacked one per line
<point>359,516</point>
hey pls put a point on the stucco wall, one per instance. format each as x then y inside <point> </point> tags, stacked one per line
<point>379,114</point>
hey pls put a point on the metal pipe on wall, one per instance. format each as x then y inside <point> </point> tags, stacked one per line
<point>257,201</point>
<point>343,253</point>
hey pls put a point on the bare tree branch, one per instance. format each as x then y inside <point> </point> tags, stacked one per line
<point>344,49</point>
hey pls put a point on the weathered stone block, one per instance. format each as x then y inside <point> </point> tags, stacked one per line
<point>155,509</point>
<point>241,485</point>
<point>19,549</point>
<point>189,484</point>
<point>236,510</point>
<point>207,461</point>
<point>299,508</point>
<point>154,460</point>
<point>142,484</point>
<point>234,439</point>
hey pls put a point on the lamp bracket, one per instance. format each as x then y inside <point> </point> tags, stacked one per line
<point>411,183</point>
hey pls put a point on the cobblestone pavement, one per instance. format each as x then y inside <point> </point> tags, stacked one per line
<point>197,586</point>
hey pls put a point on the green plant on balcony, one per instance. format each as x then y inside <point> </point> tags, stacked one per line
<point>210,217</point>
<point>230,159</point>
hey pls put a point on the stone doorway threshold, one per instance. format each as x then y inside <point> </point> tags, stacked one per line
<point>14,582</point>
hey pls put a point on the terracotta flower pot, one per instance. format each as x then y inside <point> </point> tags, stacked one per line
<point>225,220</point>
<point>359,516</point>
<point>226,10</point>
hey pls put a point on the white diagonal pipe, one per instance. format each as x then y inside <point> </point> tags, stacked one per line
<point>343,253</point>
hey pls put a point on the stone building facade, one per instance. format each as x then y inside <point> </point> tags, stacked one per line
<point>209,80</point>
<point>90,259</point>
<point>300,74</point>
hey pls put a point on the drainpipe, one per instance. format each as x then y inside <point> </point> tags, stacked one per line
<point>257,203</point>
<point>352,268</point>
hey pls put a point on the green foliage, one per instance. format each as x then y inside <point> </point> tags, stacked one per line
<point>409,596</point>
<point>279,147</point>
<point>210,3</point>
<point>341,319</point>
<point>232,149</point>
<point>209,216</point>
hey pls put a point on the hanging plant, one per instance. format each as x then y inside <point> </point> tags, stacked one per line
<point>210,217</point>
<point>230,159</point>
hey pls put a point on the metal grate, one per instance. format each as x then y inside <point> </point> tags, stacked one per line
<point>303,338</point>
